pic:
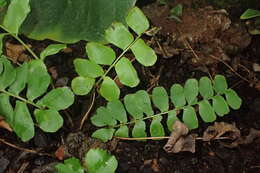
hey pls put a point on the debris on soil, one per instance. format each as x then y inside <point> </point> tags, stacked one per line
<point>5,125</point>
<point>219,129</point>
<point>16,52</point>
<point>179,140</point>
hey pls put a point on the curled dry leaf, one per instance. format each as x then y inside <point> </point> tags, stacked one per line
<point>179,140</point>
<point>16,52</point>
<point>5,125</point>
<point>219,129</point>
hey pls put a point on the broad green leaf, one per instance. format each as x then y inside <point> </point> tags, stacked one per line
<point>71,165</point>
<point>122,132</point>
<point>3,3</point>
<point>206,111</point>
<point>15,15</point>
<point>21,79</point>
<point>104,134</point>
<point>220,106</point>
<point>82,85</point>
<point>250,13</point>
<point>126,72</point>
<point>160,98</point>
<point>23,124</point>
<point>191,91</point>
<point>117,110</point>
<point>87,68</point>
<point>103,117</point>
<point>177,95</point>
<point>57,99</point>
<point>71,21</point>
<point>139,130</point>
<point>49,120</point>
<point>189,118</point>
<point>100,161</point>
<point>220,84</point>
<point>109,89</point>
<point>100,54</point>
<point>8,75</point>
<point>119,35</point>
<point>51,50</point>
<point>1,43</point>
<point>205,87</point>
<point>137,21</point>
<point>233,99</point>
<point>138,103</point>
<point>6,109</point>
<point>156,127</point>
<point>172,117</point>
<point>38,79</point>
<point>143,53</point>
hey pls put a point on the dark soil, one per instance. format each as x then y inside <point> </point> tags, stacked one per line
<point>176,64</point>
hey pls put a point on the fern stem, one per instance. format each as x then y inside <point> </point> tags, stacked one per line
<point>21,41</point>
<point>21,98</point>
<point>117,59</point>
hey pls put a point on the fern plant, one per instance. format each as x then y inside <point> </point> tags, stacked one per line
<point>91,72</point>
<point>204,94</point>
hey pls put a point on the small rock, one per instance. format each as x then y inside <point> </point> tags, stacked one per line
<point>256,67</point>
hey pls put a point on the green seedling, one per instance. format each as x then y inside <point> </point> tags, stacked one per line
<point>204,94</point>
<point>254,16</point>
<point>95,161</point>
<point>91,70</point>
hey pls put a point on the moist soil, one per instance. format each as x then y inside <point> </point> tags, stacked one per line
<point>210,39</point>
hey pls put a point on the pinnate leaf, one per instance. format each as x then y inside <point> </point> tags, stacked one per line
<point>51,50</point>
<point>38,79</point>
<point>21,79</point>
<point>137,21</point>
<point>139,130</point>
<point>220,84</point>
<point>205,87</point>
<point>126,72</point>
<point>8,75</point>
<point>23,124</point>
<point>191,91</point>
<point>160,98</point>
<point>156,127</point>
<point>172,117</point>
<point>119,35</point>
<point>103,117</point>
<point>122,132</point>
<point>87,68</point>
<point>177,95</point>
<point>6,108</point>
<point>48,120</point>
<point>206,111</point>
<point>16,14</point>
<point>100,54</point>
<point>103,134</point>
<point>82,85</point>
<point>233,99</point>
<point>99,161</point>
<point>57,99</point>
<point>143,53</point>
<point>220,105</point>
<point>250,13</point>
<point>117,110</point>
<point>109,89</point>
<point>189,117</point>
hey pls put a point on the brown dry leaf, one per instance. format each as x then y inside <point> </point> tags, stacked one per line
<point>5,125</point>
<point>16,52</point>
<point>179,140</point>
<point>60,152</point>
<point>219,129</point>
<point>252,135</point>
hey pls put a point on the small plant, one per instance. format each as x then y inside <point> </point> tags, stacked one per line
<point>90,71</point>
<point>95,161</point>
<point>252,14</point>
<point>114,120</point>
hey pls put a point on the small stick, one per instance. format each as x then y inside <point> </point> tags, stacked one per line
<point>163,137</point>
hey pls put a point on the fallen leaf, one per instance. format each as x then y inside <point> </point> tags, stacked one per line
<point>60,152</point>
<point>16,52</point>
<point>5,125</point>
<point>179,141</point>
<point>219,129</point>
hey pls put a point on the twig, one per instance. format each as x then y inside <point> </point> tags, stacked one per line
<point>24,149</point>
<point>85,117</point>
<point>163,137</point>
<point>23,167</point>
